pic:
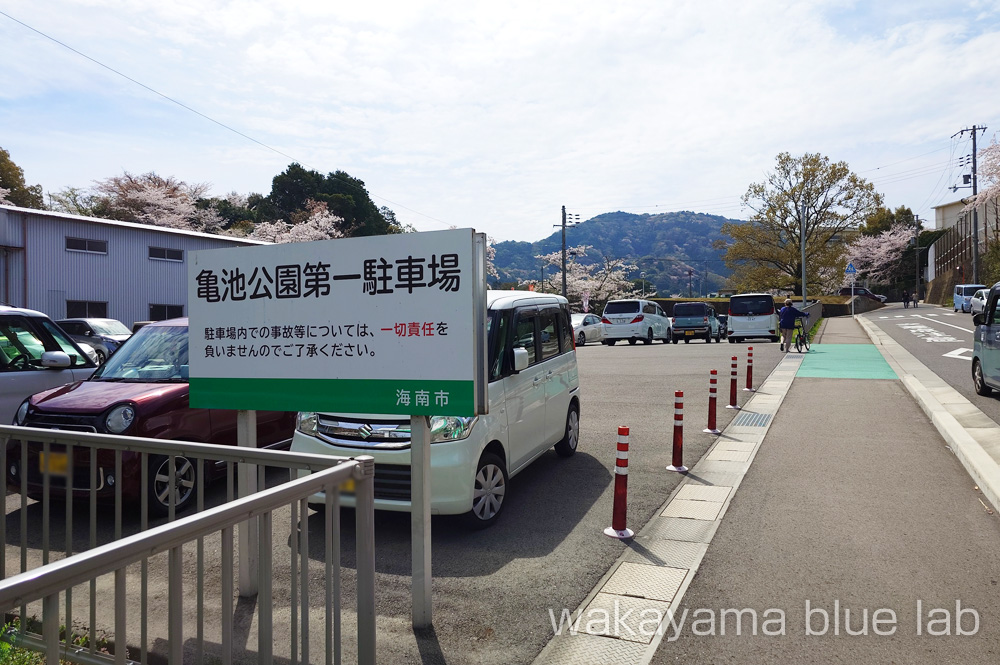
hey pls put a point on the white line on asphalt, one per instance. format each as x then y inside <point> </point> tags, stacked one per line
<point>959,353</point>
<point>917,316</point>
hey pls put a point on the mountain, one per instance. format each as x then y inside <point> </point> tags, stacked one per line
<point>674,249</point>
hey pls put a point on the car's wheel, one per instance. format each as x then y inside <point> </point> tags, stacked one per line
<point>632,340</point>
<point>567,446</point>
<point>489,491</point>
<point>708,336</point>
<point>581,339</point>
<point>676,340</point>
<point>611,342</point>
<point>687,340</point>
<point>160,486</point>
<point>100,357</point>
<point>977,379</point>
<point>649,337</point>
<point>732,340</point>
<point>718,336</point>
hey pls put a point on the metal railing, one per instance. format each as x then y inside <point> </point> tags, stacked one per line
<point>137,550</point>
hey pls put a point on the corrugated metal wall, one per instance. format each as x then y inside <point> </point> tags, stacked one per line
<point>36,270</point>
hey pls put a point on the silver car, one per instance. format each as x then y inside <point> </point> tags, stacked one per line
<point>587,328</point>
<point>978,302</point>
<point>35,355</point>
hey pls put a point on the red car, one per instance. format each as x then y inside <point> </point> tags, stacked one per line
<point>142,390</point>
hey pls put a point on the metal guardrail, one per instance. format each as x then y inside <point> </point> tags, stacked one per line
<point>46,582</point>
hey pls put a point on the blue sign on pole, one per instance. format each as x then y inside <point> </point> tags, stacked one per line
<point>850,270</point>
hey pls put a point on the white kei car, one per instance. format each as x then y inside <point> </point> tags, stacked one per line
<point>534,404</point>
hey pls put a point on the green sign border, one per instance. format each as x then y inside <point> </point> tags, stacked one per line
<point>336,395</point>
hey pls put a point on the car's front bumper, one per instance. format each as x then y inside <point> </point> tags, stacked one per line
<point>453,471</point>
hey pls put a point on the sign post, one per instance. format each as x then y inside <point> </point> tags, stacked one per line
<point>852,271</point>
<point>385,324</point>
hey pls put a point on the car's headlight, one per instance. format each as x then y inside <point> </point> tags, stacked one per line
<point>450,428</point>
<point>307,423</point>
<point>22,413</point>
<point>119,419</point>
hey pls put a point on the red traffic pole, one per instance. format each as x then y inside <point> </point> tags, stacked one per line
<point>750,388</point>
<point>711,429</point>
<point>678,453</point>
<point>732,388</point>
<point>618,529</point>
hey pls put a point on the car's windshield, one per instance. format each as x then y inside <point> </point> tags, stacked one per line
<point>74,327</point>
<point>751,305</point>
<point>622,307</point>
<point>690,309</point>
<point>154,353</point>
<point>109,327</point>
<point>970,290</point>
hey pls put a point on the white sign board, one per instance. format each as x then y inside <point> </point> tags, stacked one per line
<point>385,324</point>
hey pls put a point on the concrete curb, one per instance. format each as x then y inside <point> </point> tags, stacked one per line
<point>938,400</point>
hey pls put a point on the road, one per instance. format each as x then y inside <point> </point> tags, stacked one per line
<point>942,340</point>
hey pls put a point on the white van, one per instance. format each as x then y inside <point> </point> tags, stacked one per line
<point>752,315</point>
<point>633,320</point>
<point>534,399</point>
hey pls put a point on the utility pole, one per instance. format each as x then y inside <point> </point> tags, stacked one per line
<point>564,251</point>
<point>916,249</point>
<point>690,274</point>
<point>975,209</point>
<point>802,241</point>
<point>573,219</point>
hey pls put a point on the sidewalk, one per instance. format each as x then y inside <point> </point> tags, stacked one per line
<point>846,498</point>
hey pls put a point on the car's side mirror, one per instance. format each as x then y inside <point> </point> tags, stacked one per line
<point>56,359</point>
<point>520,359</point>
<point>978,319</point>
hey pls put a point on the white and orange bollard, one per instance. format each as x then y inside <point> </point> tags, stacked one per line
<point>678,452</point>
<point>750,388</point>
<point>618,529</point>
<point>732,388</point>
<point>712,398</point>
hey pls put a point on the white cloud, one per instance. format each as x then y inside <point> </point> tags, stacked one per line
<point>496,114</point>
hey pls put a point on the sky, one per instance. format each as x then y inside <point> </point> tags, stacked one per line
<point>495,115</point>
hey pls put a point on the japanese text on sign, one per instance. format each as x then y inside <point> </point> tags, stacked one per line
<point>313,280</point>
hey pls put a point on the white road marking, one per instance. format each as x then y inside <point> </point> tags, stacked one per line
<point>918,316</point>
<point>959,353</point>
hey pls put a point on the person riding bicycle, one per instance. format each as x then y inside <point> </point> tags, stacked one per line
<point>786,321</point>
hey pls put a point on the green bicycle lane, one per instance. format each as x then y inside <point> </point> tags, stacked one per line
<point>845,361</point>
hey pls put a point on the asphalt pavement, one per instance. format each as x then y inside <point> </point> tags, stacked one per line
<point>834,520</point>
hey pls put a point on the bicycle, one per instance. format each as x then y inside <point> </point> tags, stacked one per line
<point>801,335</point>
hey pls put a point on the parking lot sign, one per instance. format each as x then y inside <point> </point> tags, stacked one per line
<point>386,324</point>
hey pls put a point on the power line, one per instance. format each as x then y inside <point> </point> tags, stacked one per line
<point>204,116</point>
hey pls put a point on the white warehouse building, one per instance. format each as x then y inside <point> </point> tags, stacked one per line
<point>69,266</point>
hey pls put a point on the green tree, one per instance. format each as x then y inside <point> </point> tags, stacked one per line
<point>884,219</point>
<point>12,180</point>
<point>345,196</point>
<point>810,193</point>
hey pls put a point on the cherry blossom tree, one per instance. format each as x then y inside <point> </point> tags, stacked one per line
<point>599,282</point>
<point>153,199</point>
<point>321,224</point>
<point>3,197</point>
<point>877,257</point>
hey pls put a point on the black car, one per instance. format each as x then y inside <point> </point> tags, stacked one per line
<point>723,324</point>
<point>105,335</point>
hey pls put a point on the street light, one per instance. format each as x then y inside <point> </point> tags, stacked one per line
<point>642,276</point>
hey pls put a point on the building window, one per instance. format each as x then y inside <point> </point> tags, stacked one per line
<point>165,254</point>
<point>85,245</point>
<point>164,312</point>
<point>83,309</point>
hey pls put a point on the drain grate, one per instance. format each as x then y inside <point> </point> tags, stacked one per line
<point>751,419</point>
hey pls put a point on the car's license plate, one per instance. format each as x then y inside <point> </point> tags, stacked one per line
<point>689,332</point>
<point>54,463</point>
